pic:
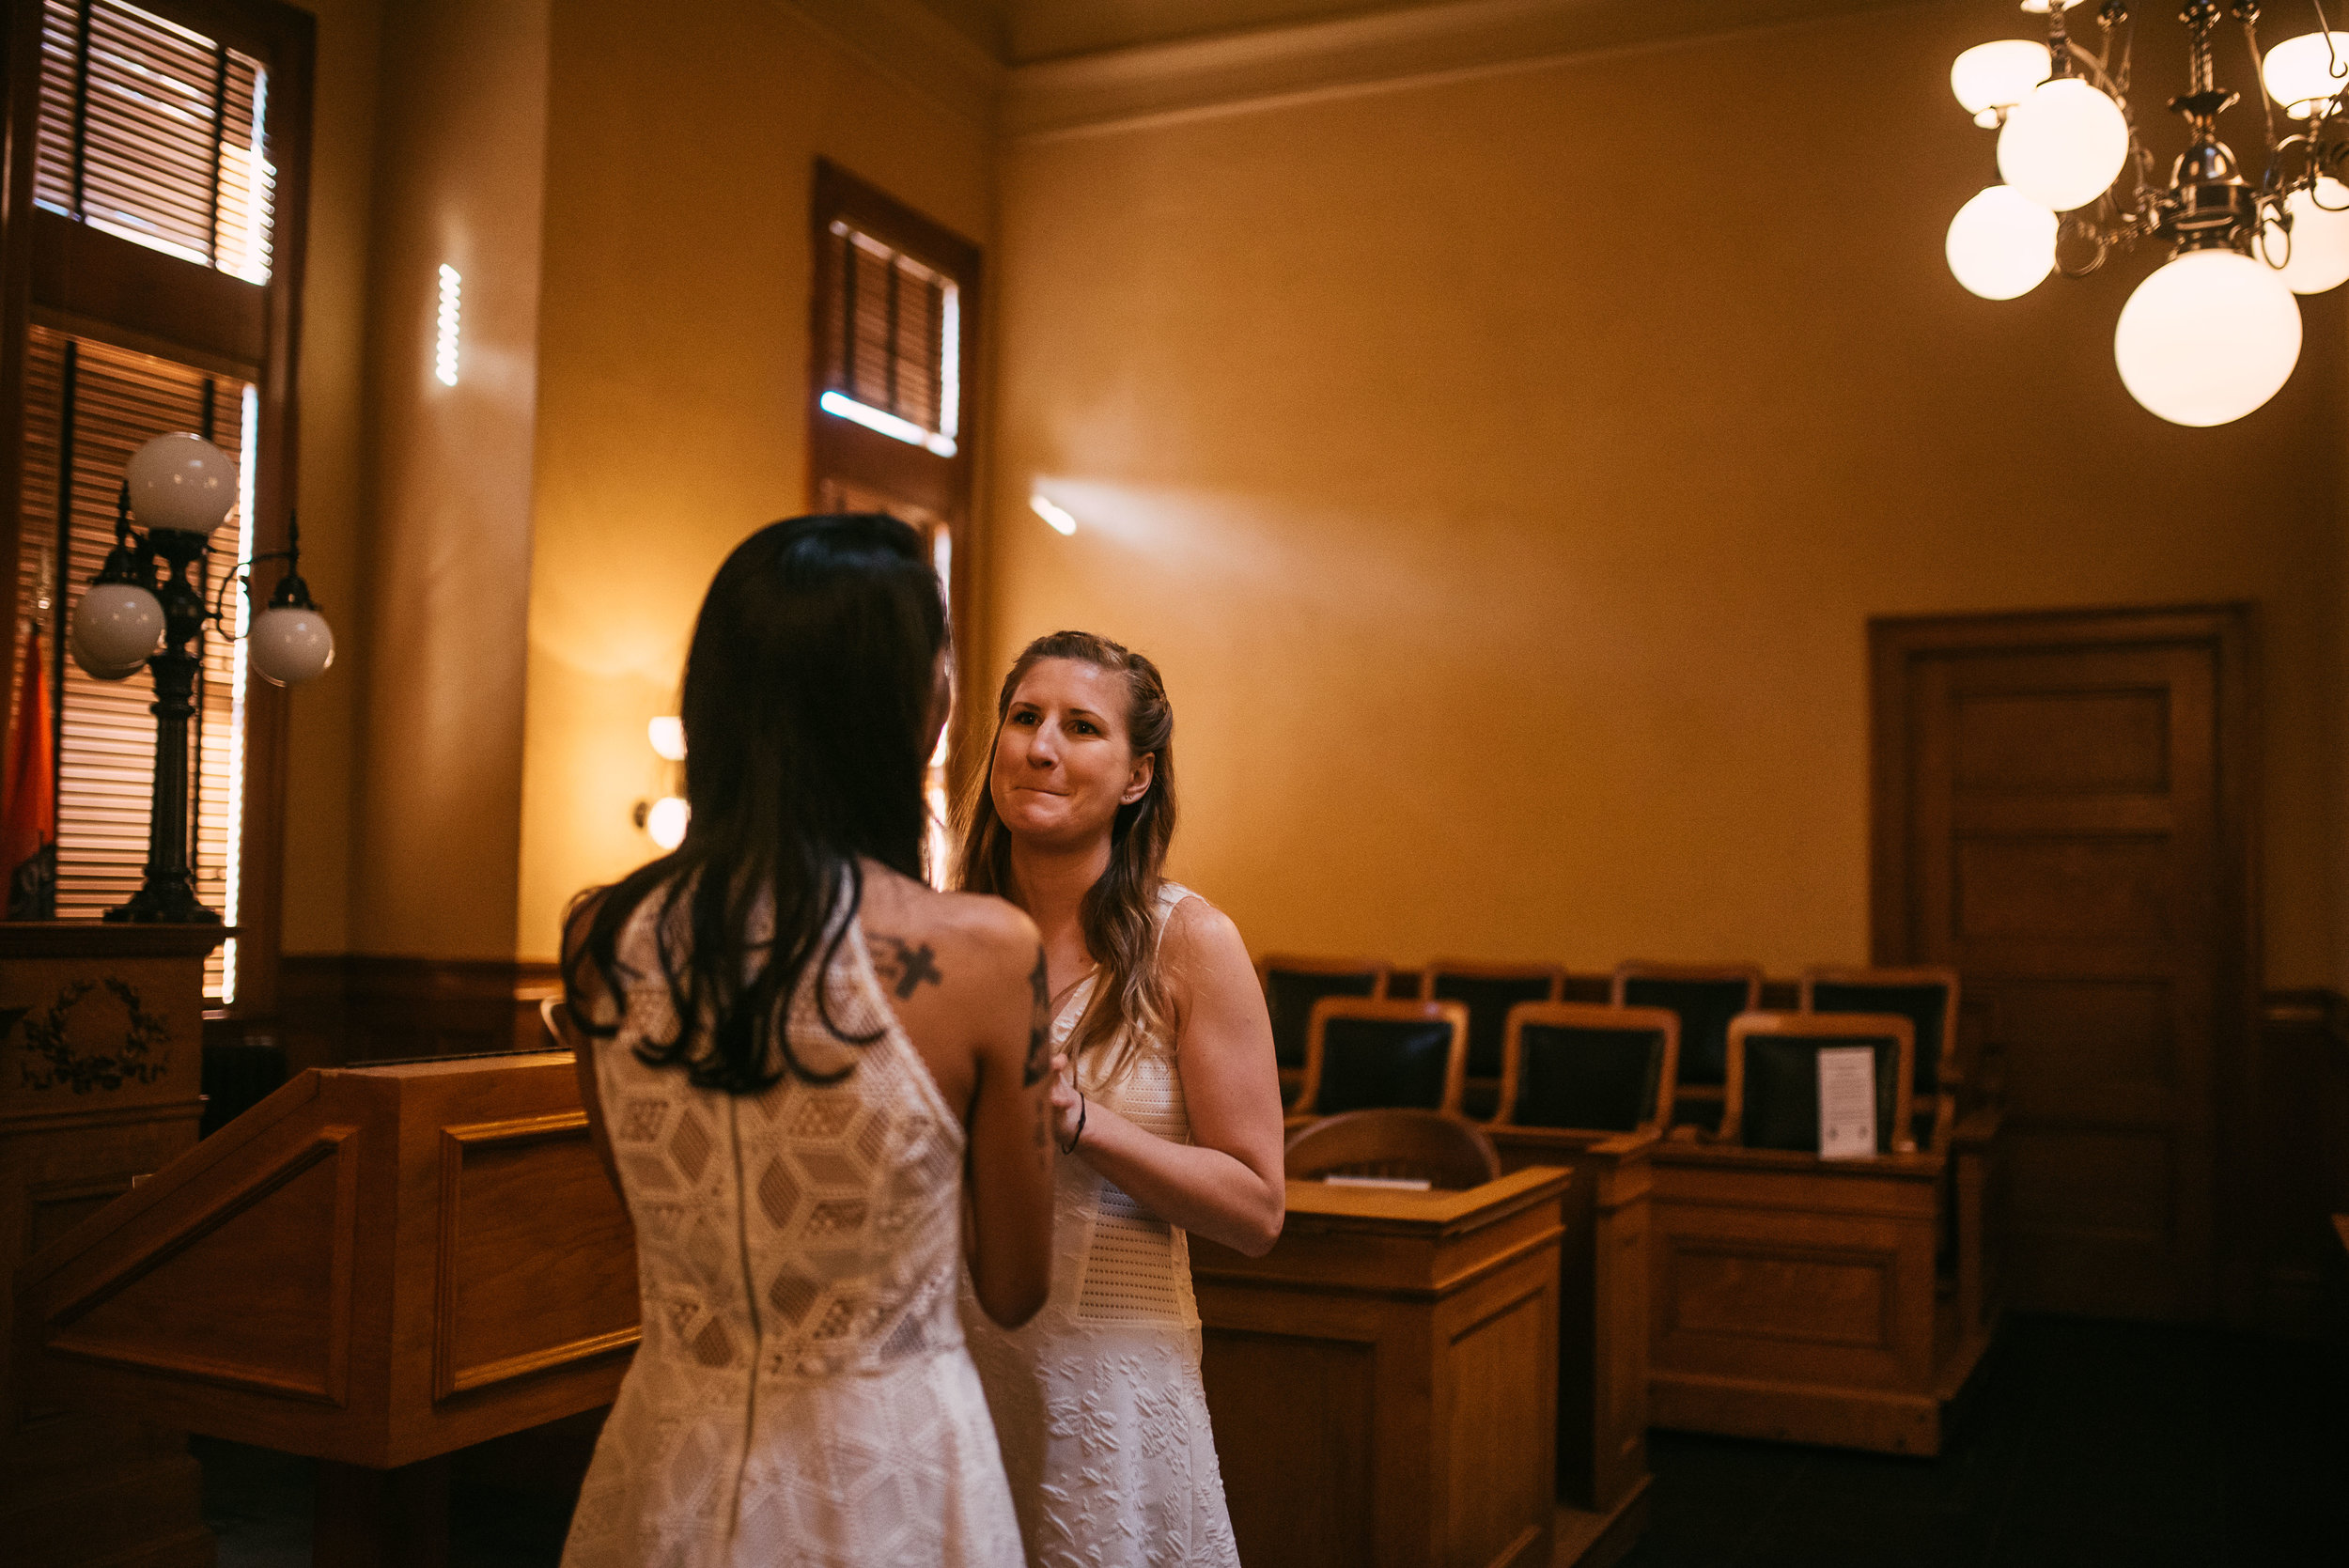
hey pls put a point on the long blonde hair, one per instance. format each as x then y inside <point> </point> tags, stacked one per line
<point>1131,1001</point>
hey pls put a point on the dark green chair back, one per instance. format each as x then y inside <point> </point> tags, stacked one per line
<point>1706,1008</point>
<point>1289,996</point>
<point>1925,1005</point>
<point>1377,1064</point>
<point>1780,1107</point>
<point>1570,1075</point>
<point>1489,999</point>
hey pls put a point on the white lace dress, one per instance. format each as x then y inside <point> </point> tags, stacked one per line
<point>802,1395</point>
<point>1098,1402</point>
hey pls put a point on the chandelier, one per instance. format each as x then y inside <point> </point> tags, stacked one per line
<point>2213,331</point>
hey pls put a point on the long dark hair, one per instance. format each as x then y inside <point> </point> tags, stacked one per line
<point>807,697</point>
<point>1119,913</point>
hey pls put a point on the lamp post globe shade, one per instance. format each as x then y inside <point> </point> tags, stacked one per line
<point>116,627</point>
<point>2064,145</point>
<point>291,644</point>
<point>2208,338</point>
<point>2298,73</point>
<point>2315,255</point>
<point>181,482</point>
<point>2001,243</point>
<point>1998,75</point>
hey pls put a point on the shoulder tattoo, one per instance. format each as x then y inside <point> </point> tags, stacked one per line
<point>904,965</point>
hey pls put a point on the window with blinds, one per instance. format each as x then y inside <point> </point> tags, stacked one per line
<point>890,290</point>
<point>154,132</point>
<point>894,342</point>
<point>89,407</point>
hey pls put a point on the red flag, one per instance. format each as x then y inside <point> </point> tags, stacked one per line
<point>28,823</point>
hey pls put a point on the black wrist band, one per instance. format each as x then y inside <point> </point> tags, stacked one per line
<point>1078,1137</point>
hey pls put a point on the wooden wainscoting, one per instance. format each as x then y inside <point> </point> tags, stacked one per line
<point>2295,1280</point>
<point>343,1009</point>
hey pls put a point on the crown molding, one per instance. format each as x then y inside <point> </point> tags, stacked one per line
<point>1152,83</point>
<point>913,46</point>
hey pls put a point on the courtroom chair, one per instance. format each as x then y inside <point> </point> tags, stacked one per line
<point>1572,1065</point>
<point>1291,987</point>
<point>1487,991</point>
<point>1411,1145</point>
<point>1772,1095</point>
<point>1927,996</point>
<point>1364,1055</point>
<point>1705,997</point>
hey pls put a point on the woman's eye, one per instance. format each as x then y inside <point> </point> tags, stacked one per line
<point>1083,728</point>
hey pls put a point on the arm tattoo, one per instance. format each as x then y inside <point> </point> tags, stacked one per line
<point>902,966</point>
<point>1039,1030</point>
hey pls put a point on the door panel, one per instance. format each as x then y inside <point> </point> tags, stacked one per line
<point>2051,820</point>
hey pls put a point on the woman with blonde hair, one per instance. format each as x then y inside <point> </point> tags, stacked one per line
<point>1166,1108</point>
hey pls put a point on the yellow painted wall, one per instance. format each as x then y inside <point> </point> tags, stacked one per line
<point>333,489</point>
<point>674,366</point>
<point>1505,470</point>
<point>462,155</point>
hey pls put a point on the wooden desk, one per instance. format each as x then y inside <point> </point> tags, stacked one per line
<point>1383,1383</point>
<point>1603,1307</point>
<point>374,1266</point>
<point>1800,1299</point>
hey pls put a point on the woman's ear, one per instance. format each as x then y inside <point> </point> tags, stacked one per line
<point>1138,782</point>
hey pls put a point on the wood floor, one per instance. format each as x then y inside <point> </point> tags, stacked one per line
<point>2090,1444</point>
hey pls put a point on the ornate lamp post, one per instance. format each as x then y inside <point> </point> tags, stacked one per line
<point>143,610</point>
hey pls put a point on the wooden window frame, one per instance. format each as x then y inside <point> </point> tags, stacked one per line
<point>77,279</point>
<point>840,451</point>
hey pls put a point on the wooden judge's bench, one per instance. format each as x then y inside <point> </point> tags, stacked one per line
<point>375,1266</point>
<point>378,1265</point>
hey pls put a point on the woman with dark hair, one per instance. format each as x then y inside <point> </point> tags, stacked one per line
<point>1166,1109</point>
<point>796,1057</point>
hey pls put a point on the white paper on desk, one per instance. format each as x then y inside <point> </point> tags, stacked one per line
<point>1848,1102</point>
<point>1398,1183</point>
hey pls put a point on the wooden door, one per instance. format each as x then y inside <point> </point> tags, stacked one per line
<point>2063,812</point>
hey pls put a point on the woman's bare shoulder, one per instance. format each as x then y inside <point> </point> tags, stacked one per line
<point>911,923</point>
<point>1195,924</point>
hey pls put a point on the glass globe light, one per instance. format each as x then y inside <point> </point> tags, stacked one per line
<point>1990,77</point>
<point>2315,255</point>
<point>2208,338</point>
<point>291,643</point>
<point>666,819</point>
<point>116,627</point>
<point>667,735</point>
<point>2299,71</point>
<point>2001,243</point>
<point>2064,145</point>
<point>181,482</point>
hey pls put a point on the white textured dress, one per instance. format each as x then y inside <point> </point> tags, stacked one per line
<point>1098,1402</point>
<point>802,1395</point>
